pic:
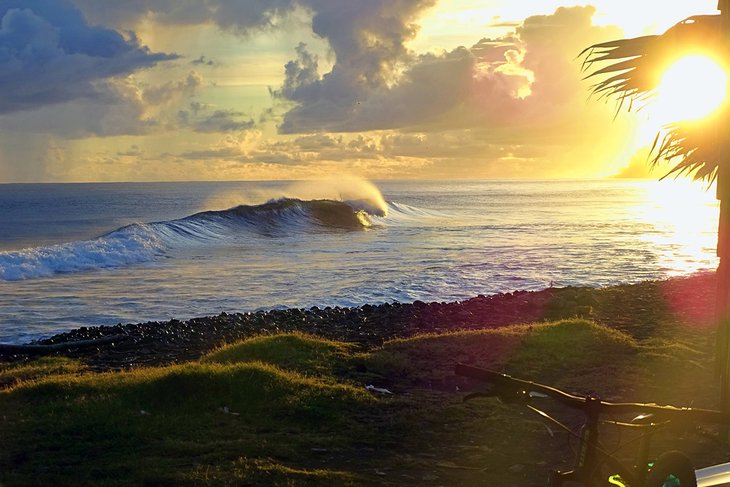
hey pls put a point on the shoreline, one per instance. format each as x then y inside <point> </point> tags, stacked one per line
<point>282,408</point>
<point>154,343</point>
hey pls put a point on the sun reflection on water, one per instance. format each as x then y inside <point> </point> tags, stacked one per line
<point>685,215</point>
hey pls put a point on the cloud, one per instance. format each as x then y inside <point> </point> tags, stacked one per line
<point>529,75</point>
<point>301,80</point>
<point>367,39</point>
<point>198,119</point>
<point>376,83</point>
<point>433,92</point>
<point>229,153</point>
<point>248,155</point>
<point>172,91</point>
<point>36,152</point>
<point>122,106</point>
<point>50,55</point>
<point>237,15</point>
<point>251,147</point>
<point>638,167</point>
<point>513,105</point>
<point>133,151</point>
<point>203,61</point>
<point>510,106</point>
<point>223,121</point>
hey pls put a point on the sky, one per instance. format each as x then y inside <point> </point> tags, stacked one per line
<point>168,90</point>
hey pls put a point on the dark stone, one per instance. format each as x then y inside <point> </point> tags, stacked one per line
<point>174,341</point>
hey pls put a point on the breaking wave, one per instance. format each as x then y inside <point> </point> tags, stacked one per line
<point>144,242</point>
<point>129,245</point>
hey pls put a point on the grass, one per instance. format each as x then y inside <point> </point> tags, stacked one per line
<point>11,374</point>
<point>292,409</point>
<point>100,425</point>
<point>292,351</point>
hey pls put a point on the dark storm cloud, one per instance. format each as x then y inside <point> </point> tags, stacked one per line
<point>49,54</point>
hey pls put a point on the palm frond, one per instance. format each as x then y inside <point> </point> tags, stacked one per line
<point>636,65</point>
<point>695,149</point>
<point>631,78</point>
<point>628,76</point>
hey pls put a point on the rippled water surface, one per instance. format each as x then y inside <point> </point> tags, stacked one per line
<point>85,254</point>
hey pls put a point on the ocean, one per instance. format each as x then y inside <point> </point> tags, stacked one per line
<point>75,255</point>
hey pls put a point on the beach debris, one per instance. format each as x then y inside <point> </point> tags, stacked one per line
<point>227,410</point>
<point>379,390</point>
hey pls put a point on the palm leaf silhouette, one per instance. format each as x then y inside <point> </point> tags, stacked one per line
<point>629,70</point>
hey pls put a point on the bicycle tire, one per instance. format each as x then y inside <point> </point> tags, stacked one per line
<point>671,469</point>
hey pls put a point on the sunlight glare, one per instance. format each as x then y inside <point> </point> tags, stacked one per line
<point>685,213</point>
<point>691,88</point>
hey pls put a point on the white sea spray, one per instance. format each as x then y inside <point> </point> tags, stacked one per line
<point>129,245</point>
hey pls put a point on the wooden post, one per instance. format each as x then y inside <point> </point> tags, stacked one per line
<point>722,303</point>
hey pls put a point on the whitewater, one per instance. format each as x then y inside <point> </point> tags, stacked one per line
<point>75,255</point>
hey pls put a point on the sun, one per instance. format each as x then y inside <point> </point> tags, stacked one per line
<point>691,88</point>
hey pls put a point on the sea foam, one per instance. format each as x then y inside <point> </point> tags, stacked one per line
<point>143,242</point>
<point>129,245</point>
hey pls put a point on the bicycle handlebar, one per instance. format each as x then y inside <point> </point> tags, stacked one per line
<point>589,404</point>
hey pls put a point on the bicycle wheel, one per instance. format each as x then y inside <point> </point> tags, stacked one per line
<point>671,469</point>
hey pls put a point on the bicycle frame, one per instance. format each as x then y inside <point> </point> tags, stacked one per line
<point>590,455</point>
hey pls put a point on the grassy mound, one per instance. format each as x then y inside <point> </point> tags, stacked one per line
<point>59,428</point>
<point>293,410</point>
<point>292,351</point>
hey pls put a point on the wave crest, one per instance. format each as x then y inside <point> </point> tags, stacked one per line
<point>286,215</point>
<point>140,242</point>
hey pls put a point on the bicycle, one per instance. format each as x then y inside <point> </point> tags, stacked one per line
<point>594,466</point>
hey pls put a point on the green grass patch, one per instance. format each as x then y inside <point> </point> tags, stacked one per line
<point>292,351</point>
<point>567,352</point>
<point>11,374</point>
<point>430,359</point>
<point>96,425</point>
<point>293,410</point>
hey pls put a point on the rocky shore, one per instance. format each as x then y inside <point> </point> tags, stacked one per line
<point>158,343</point>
